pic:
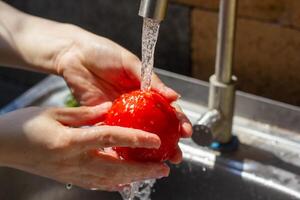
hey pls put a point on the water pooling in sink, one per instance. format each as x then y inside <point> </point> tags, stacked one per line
<point>142,190</point>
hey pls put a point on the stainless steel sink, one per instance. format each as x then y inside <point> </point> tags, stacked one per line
<point>266,165</point>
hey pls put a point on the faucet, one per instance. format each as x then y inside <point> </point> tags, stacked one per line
<point>219,117</point>
<point>154,9</point>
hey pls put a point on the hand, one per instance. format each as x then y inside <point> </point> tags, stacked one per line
<point>40,141</point>
<point>98,70</point>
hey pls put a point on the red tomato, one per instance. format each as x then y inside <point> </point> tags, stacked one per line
<point>148,111</point>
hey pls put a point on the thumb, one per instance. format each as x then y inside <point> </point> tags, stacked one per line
<point>81,116</point>
<point>158,86</point>
<point>112,136</point>
<point>133,69</point>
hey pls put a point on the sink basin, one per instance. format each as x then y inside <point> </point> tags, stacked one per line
<point>266,165</point>
<point>189,181</point>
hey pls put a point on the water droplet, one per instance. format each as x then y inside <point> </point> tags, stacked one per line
<point>204,169</point>
<point>69,186</point>
<point>282,153</point>
<point>138,190</point>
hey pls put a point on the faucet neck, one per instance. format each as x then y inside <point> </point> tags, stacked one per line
<point>226,37</point>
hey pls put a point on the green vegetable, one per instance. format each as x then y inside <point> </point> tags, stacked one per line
<point>71,101</point>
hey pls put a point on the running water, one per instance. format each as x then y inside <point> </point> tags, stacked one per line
<point>138,190</point>
<point>149,39</point>
<point>142,190</point>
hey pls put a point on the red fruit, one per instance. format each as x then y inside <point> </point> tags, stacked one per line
<point>148,111</point>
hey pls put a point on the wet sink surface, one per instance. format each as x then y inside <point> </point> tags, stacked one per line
<point>266,166</point>
<point>187,181</point>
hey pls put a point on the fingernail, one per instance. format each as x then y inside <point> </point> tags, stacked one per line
<point>187,128</point>
<point>105,105</point>
<point>156,143</point>
<point>152,141</point>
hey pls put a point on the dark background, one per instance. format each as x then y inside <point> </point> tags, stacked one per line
<point>114,19</point>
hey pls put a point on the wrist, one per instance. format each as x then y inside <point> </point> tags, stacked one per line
<point>31,42</point>
<point>42,42</point>
<point>13,152</point>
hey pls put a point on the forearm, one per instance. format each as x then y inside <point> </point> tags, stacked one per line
<point>30,42</point>
<point>5,143</point>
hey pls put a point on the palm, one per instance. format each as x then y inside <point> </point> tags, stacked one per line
<point>99,70</point>
<point>100,73</point>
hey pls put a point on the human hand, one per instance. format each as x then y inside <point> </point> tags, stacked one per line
<point>41,141</point>
<point>98,70</point>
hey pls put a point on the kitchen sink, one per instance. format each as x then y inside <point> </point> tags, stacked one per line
<point>265,166</point>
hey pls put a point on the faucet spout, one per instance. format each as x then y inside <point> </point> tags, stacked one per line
<point>210,119</point>
<point>154,9</point>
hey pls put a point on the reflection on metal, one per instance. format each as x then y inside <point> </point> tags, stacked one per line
<point>266,175</point>
<point>210,119</point>
<point>272,176</point>
<point>204,156</point>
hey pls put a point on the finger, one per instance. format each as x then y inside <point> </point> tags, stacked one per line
<point>129,171</point>
<point>177,157</point>
<point>111,136</point>
<point>84,85</point>
<point>81,116</point>
<point>132,68</point>
<point>134,71</point>
<point>186,125</point>
<point>158,86</point>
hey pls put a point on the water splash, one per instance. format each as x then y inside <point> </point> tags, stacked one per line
<point>69,186</point>
<point>149,39</point>
<point>138,190</point>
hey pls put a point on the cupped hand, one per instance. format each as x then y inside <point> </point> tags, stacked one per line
<point>46,142</point>
<point>98,70</point>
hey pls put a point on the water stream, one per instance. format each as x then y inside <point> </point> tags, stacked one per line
<point>149,39</point>
<point>142,190</point>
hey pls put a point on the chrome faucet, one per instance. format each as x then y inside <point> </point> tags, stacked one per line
<point>218,119</point>
<point>222,84</point>
<point>154,9</point>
